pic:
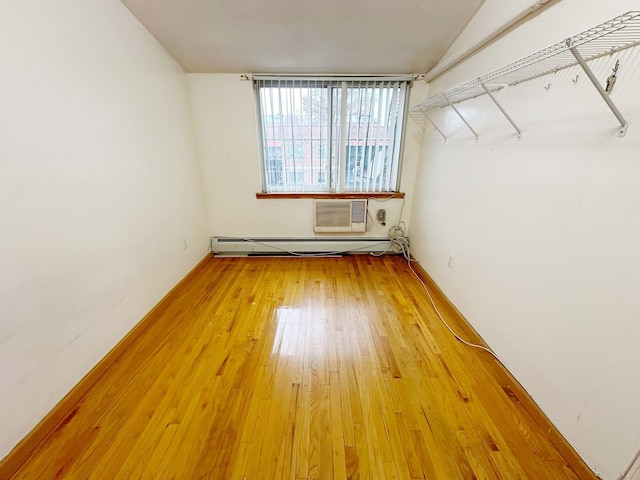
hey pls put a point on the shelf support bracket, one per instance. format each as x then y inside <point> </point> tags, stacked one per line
<point>435,126</point>
<point>507,116</point>
<point>461,117</point>
<point>605,96</point>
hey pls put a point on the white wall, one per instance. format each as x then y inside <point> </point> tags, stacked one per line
<point>99,189</point>
<point>545,231</point>
<point>224,115</point>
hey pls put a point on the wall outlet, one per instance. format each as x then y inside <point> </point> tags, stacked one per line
<point>450,262</point>
<point>381,216</point>
<point>185,245</point>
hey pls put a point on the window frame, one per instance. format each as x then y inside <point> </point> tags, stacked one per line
<point>335,158</point>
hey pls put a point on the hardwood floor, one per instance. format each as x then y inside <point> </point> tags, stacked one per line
<point>300,368</point>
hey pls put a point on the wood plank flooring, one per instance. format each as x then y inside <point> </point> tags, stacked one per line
<point>299,368</point>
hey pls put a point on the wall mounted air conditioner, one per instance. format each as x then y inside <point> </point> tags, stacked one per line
<point>339,216</point>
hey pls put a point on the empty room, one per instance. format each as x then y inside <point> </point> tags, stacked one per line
<point>317,240</point>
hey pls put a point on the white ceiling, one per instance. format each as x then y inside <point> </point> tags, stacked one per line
<point>304,36</point>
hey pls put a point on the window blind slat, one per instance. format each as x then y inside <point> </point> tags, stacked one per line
<point>311,97</point>
<point>398,135</point>
<point>390,132</point>
<point>344,122</point>
<point>379,159</point>
<point>370,151</point>
<point>388,99</point>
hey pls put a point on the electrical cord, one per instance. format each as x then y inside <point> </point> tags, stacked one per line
<point>298,254</point>
<point>399,243</point>
<point>369,221</point>
<point>453,332</point>
<point>341,252</point>
<point>385,199</point>
<point>409,258</point>
<point>382,200</point>
<point>626,471</point>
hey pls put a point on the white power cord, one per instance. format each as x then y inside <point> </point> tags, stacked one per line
<point>624,473</point>
<point>317,255</point>
<point>399,243</point>
<point>407,255</point>
<point>433,304</point>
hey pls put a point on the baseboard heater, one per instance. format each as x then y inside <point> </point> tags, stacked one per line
<point>284,246</point>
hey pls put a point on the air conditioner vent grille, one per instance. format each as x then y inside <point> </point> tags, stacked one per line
<point>340,215</point>
<point>358,211</point>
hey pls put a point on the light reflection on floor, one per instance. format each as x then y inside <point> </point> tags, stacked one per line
<point>291,331</point>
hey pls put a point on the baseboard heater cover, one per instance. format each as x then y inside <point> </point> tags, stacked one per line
<point>237,245</point>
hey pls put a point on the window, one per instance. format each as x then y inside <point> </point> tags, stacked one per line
<point>273,165</point>
<point>331,134</point>
<point>295,150</point>
<point>296,177</point>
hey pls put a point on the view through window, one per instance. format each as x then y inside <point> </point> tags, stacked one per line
<point>331,135</point>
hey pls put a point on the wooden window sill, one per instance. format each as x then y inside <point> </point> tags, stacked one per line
<point>351,195</point>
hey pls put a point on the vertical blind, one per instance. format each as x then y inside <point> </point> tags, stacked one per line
<point>331,135</point>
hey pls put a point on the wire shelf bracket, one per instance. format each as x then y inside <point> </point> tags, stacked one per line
<point>504,112</point>
<point>612,36</point>
<point>460,115</point>
<point>605,96</point>
<point>435,127</point>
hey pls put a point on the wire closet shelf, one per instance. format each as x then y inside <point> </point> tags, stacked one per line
<point>617,34</point>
